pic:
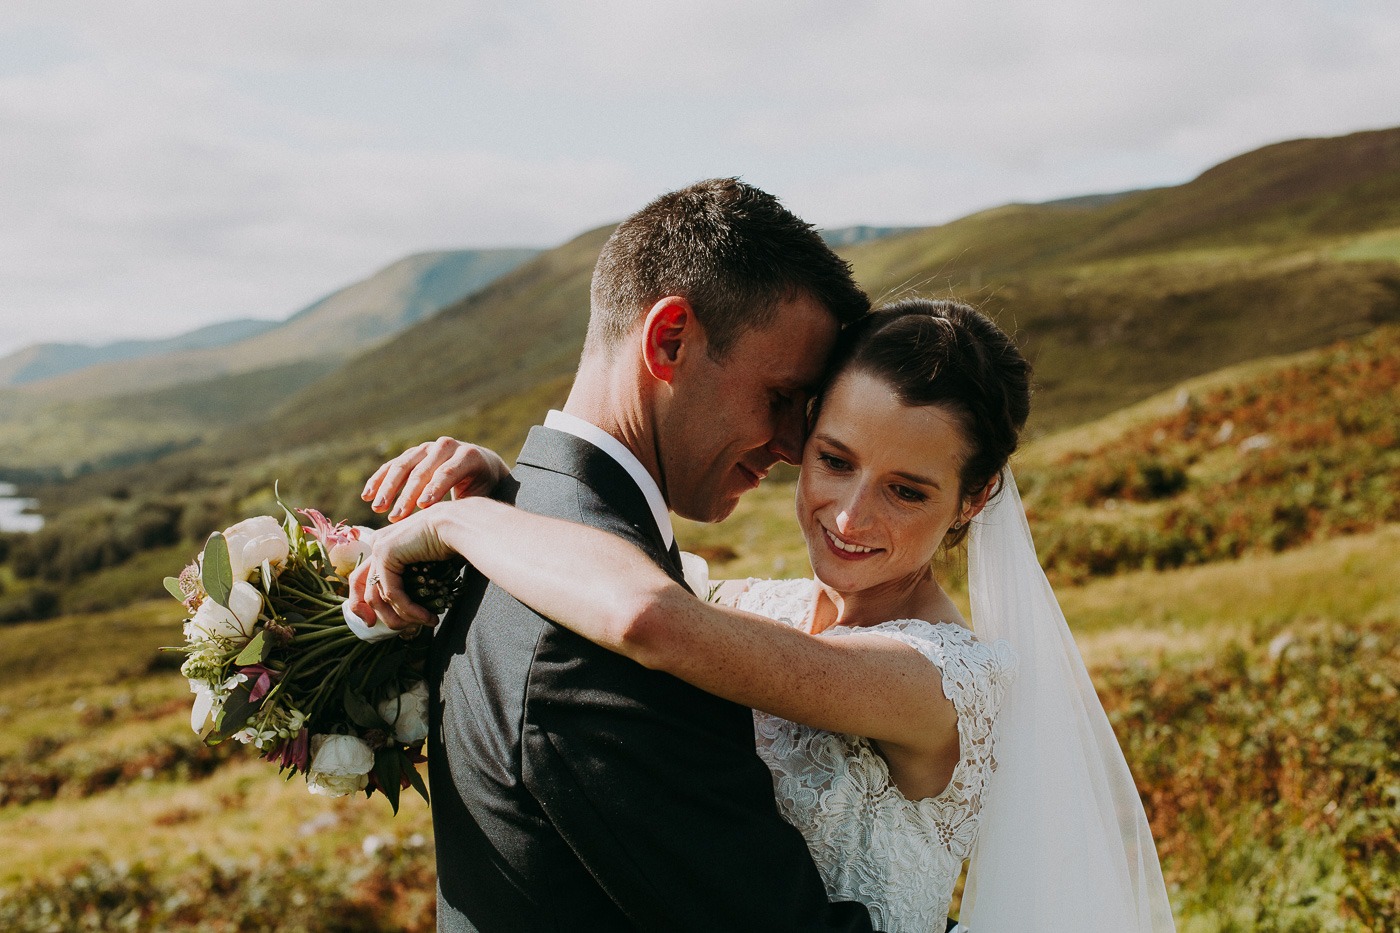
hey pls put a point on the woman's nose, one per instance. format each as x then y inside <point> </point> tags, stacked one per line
<point>854,515</point>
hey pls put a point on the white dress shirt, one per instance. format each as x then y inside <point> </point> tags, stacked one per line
<point>571,424</point>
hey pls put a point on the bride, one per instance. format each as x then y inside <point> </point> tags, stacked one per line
<point>902,739</point>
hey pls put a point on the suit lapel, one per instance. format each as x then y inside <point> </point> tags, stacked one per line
<point>561,452</point>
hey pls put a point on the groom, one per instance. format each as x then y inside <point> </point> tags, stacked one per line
<point>572,788</point>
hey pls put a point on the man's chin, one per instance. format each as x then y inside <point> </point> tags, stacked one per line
<point>708,512</point>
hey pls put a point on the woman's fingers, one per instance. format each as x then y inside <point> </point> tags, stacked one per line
<point>465,473</point>
<point>359,579</point>
<point>433,458</point>
<point>386,483</point>
<point>391,604</point>
<point>426,474</point>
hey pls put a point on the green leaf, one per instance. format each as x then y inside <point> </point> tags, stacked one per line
<point>217,572</point>
<point>255,652</point>
<point>416,780</point>
<point>388,768</point>
<point>172,586</point>
<point>238,709</point>
<point>361,713</point>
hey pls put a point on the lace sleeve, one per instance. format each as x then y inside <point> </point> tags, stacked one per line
<point>787,601</point>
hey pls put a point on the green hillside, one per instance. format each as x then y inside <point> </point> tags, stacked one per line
<point>1279,250</point>
<point>1114,298</point>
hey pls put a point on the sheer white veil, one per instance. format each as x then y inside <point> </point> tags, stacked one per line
<point>1063,843</point>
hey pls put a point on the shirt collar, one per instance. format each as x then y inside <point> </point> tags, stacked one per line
<point>571,424</point>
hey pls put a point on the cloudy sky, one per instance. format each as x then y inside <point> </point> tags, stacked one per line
<point>169,163</point>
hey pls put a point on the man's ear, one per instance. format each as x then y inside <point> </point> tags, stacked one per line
<point>670,332</point>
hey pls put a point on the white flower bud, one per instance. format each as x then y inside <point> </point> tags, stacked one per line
<point>340,765</point>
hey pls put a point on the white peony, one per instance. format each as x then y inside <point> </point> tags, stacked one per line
<point>408,714</point>
<point>697,574</point>
<point>234,623</point>
<point>340,765</point>
<point>254,540</point>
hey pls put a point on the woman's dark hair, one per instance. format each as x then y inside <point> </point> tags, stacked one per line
<point>948,354</point>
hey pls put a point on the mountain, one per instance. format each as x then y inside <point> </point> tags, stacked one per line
<point>1278,250</point>
<point>46,360</point>
<point>348,321</point>
<point>850,236</point>
<point>1113,297</point>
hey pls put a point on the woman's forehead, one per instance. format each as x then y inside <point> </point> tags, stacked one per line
<point>863,412</point>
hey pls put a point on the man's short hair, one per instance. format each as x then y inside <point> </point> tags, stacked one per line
<point>733,251</point>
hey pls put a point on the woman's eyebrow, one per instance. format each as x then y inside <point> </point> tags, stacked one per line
<point>912,477</point>
<point>828,439</point>
<point>920,480</point>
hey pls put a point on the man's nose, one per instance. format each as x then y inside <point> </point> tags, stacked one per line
<point>790,433</point>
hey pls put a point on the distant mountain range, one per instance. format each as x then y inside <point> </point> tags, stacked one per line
<point>1114,297</point>
<point>348,321</point>
<point>46,360</point>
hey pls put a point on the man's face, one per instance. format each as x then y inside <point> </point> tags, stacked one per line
<point>729,421</point>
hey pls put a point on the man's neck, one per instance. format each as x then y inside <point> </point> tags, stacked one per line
<point>611,399</point>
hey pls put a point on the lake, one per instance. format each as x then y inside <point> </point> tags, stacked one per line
<point>13,516</point>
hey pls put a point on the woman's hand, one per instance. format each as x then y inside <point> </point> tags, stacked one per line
<point>423,475</point>
<point>376,586</point>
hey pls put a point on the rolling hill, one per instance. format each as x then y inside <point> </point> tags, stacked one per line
<point>344,323</point>
<point>46,360</point>
<point>1114,297</point>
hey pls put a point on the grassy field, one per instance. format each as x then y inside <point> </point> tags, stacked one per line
<point>1255,699</point>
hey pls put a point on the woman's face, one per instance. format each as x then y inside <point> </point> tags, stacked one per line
<point>879,485</point>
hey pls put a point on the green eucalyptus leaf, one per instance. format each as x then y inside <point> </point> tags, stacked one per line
<point>217,572</point>
<point>255,652</point>
<point>172,586</point>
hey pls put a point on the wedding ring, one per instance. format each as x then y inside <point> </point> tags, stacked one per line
<point>372,581</point>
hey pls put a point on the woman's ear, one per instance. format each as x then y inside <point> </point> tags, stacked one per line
<point>979,501</point>
<point>670,331</point>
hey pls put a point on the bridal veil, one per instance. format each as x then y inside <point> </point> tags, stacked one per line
<point>1064,843</point>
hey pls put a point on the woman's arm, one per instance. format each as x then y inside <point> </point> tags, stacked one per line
<point>609,592</point>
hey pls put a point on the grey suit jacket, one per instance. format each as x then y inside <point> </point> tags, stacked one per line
<point>574,789</point>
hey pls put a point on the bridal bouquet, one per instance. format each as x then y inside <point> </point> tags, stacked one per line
<point>274,662</point>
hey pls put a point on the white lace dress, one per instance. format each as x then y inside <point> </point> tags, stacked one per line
<point>899,857</point>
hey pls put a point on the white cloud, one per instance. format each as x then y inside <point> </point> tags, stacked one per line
<point>171,163</point>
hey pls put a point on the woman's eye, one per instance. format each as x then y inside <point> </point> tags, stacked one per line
<point>908,494</point>
<point>835,463</point>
